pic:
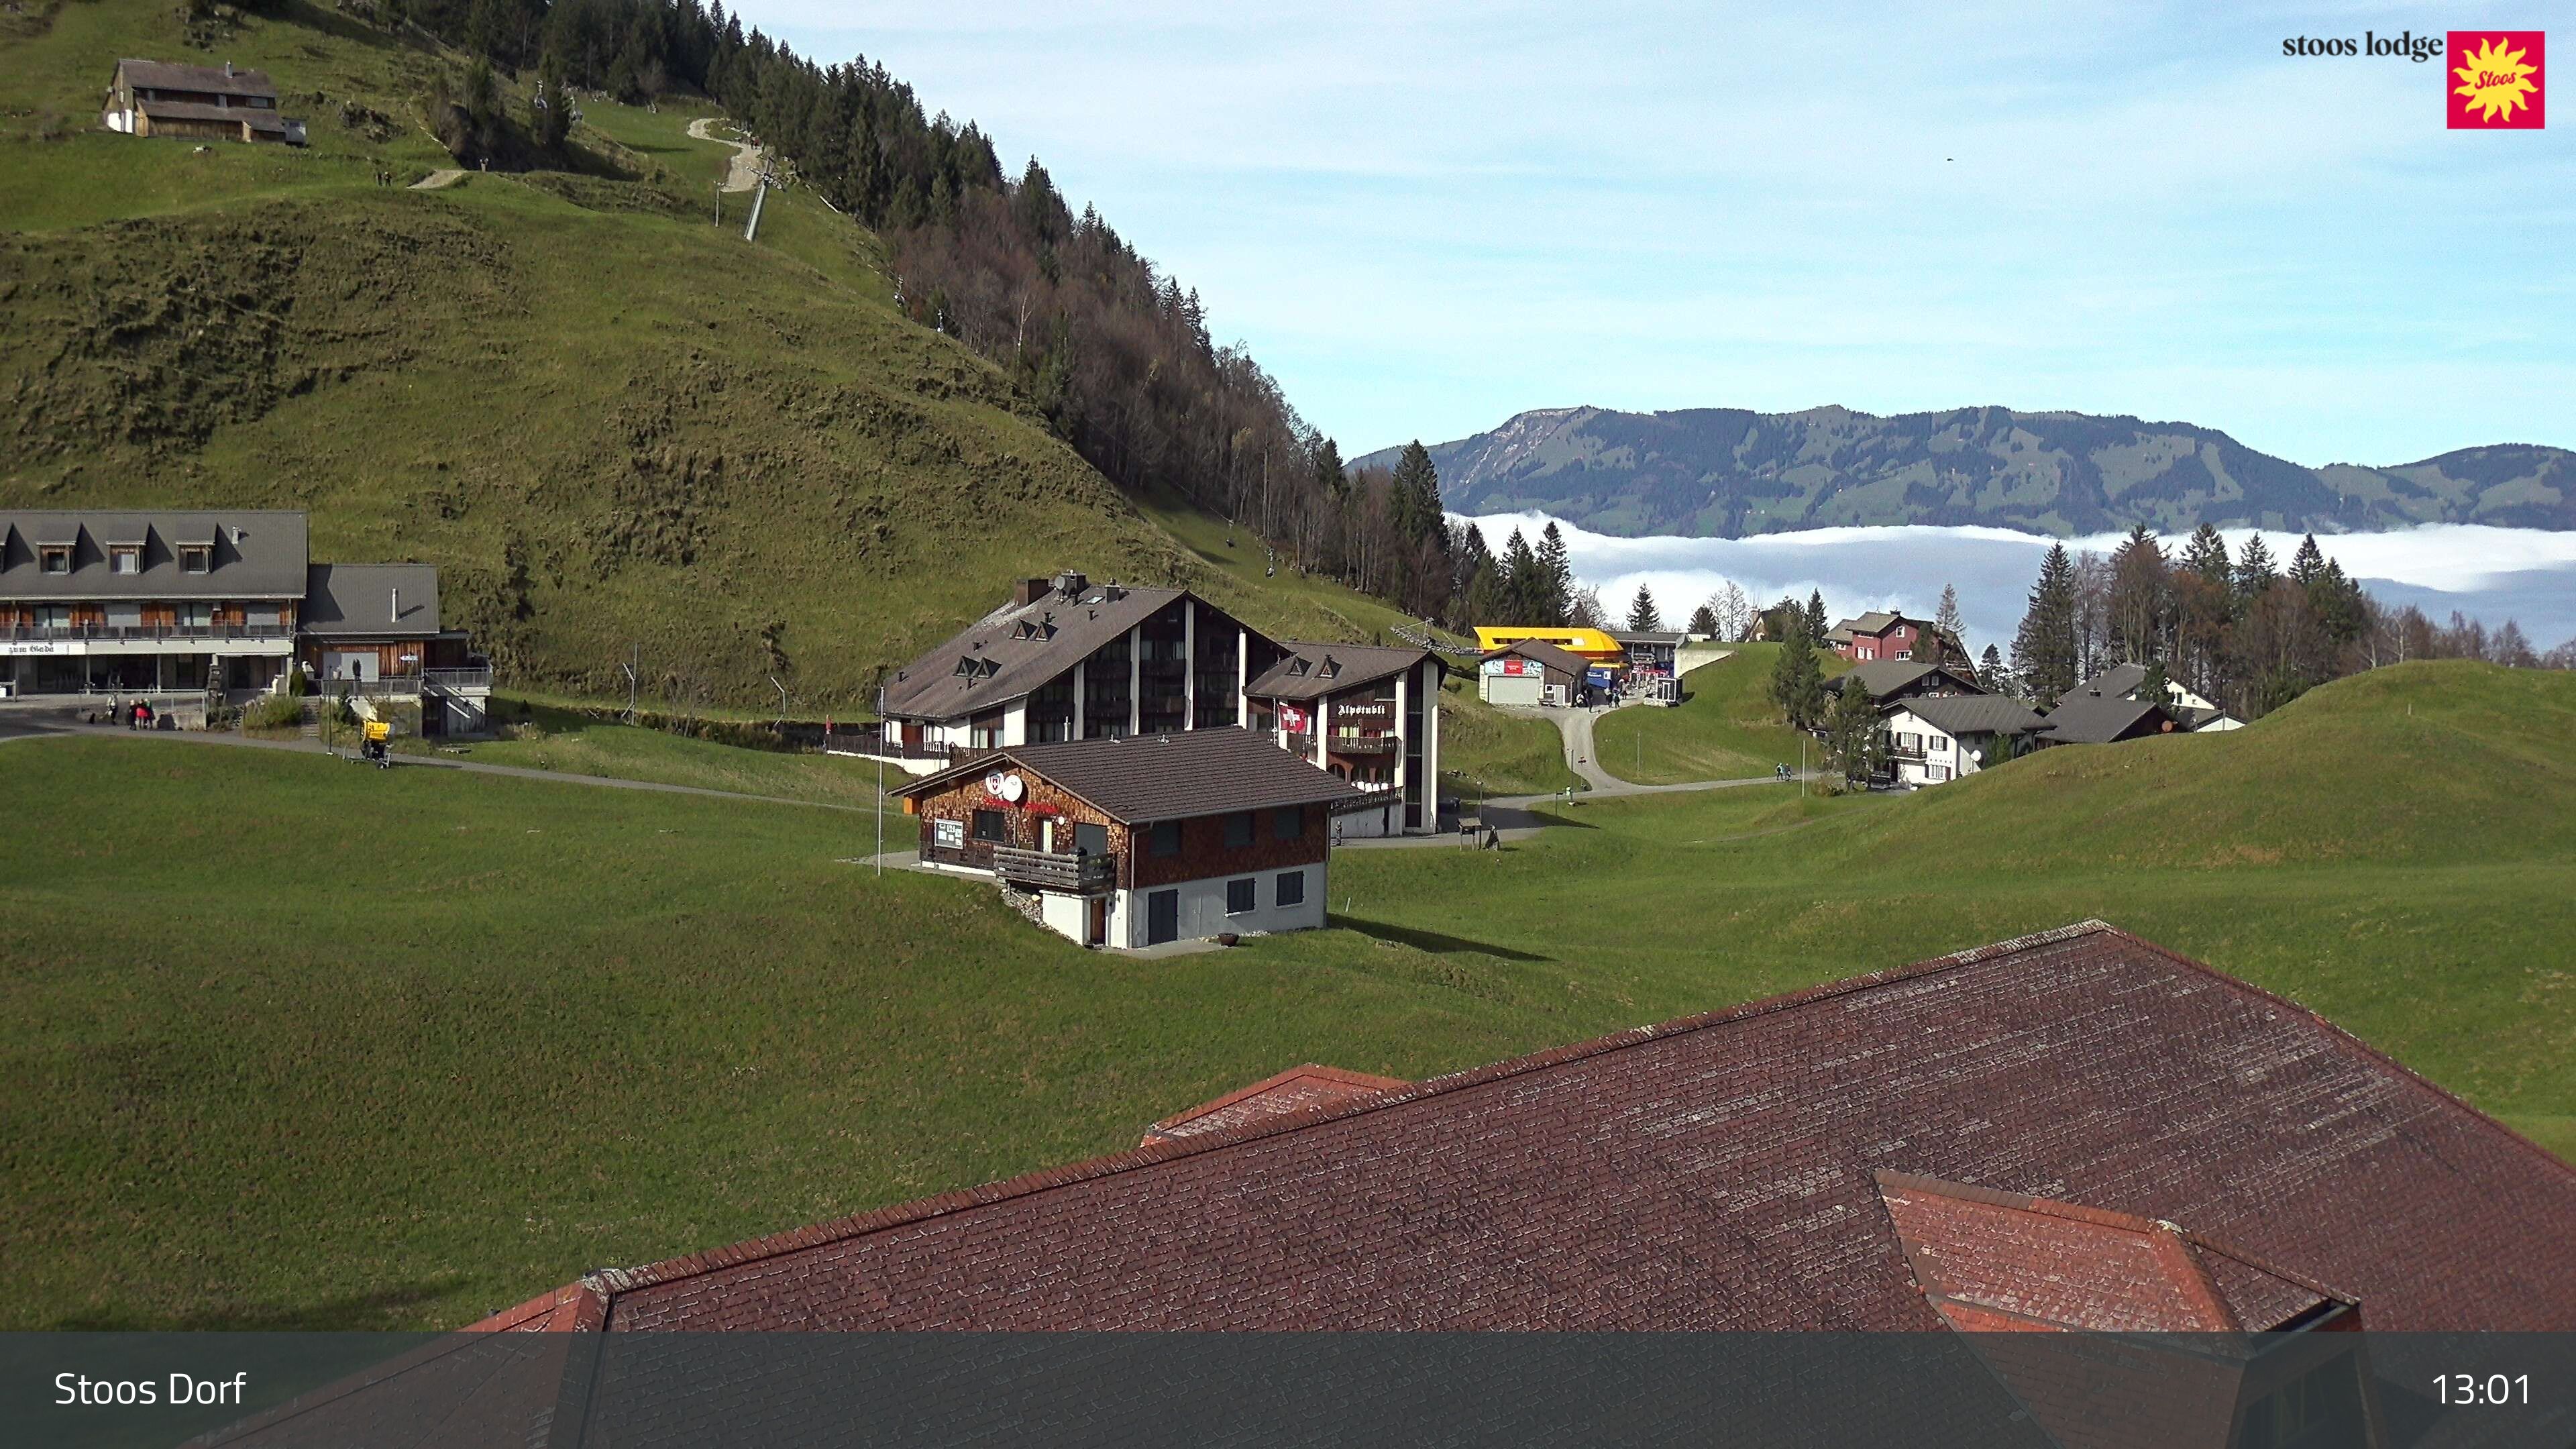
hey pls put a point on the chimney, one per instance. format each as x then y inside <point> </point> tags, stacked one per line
<point>1029,592</point>
<point>228,70</point>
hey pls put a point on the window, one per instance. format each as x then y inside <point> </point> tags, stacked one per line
<point>989,825</point>
<point>196,558</point>
<point>1292,888</point>
<point>1940,744</point>
<point>125,558</point>
<point>1288,822</point>
<point>57,557</point>
<point>1238,830</point>
<point>1242,896</point>
<point>1165,839</point>
<point>1936,773</point>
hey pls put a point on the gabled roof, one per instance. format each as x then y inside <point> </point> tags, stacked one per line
<point>1885,677</point>
<point>1564,661</point>
<point>2091,719</point>
<point>1717,1172</point>
<point>1311,671</point>
<point>2118,681</point>
<point>258,554</point>
<point>349,600</point>
<point>1018,648</point>
<point>1980,1255</point>
<point>1970,714</point>
<point>162,75</point>
<point>1175,776</point>
<point>1877,621</point>
<point>1298,1089</point>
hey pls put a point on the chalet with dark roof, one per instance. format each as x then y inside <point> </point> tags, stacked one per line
<point>1891,679</point>
<point>2097,719</point>
<point>201,102</point>
<point>1367,713</point>
<point>2072,1129</point>
<point>1142,840</point>
<point>2190,709</point>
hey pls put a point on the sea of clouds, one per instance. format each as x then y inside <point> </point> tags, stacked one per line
<point>2488,574</point>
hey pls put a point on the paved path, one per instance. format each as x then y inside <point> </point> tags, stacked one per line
<point>18,729</point>
<point>439,180</point>
<point>744,172</point>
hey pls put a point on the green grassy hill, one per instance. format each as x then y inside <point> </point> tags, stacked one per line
<point>612,422</point>
<point>1725,728</point>
<point>321,1047</point>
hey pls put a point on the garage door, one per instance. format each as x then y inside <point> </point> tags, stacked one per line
<point>1511,688</point>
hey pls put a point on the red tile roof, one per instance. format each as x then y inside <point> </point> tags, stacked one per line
<point>1980,1255</point>
<point>1298,1089</point>
<point>1717,1172</point>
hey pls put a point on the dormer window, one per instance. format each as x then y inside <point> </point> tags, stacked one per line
<point>196,558</point>
<point>55,558</point>
<point>125,558</point>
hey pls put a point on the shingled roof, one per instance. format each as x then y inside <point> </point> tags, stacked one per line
<point>1884,677</point>
<point>1718,1172</point>
<point>255,553</point>
<point>1020,647</point>
<point>1970,714</point>
<point>164,75</point>
<point>1175,776</point>
<point>1312,670</point>
<point>2095,719</point>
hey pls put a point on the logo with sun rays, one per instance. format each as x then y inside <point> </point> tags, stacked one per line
<point>2495,80</point>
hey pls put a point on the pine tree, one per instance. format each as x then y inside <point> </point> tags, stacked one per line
<point>1643,616</point>
<point>1990,672</point>
<point>1703,621</point>
<point>1556,603</point>
<point>1797,683</point>
<point>1948,622</point>
<point>1816,618</point>
<point>2206,555</point>
<point>1524,584</point>
<point>2044,649</point>
<point>2255,572</point>
<point>1415,498</point>
<point>2308,565</point>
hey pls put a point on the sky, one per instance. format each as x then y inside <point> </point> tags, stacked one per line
<point>1426,217</point>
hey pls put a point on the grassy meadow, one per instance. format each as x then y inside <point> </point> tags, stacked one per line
<point>1725,728</point>
<point>317,1046</point>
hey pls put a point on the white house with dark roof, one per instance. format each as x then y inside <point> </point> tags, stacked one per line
<point>2189,709</point>
<point>1367,713</point>
<point>1933,739</point>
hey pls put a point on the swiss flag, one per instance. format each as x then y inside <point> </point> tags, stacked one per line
<point>2494,80</point>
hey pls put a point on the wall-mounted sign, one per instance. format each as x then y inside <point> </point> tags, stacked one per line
<point>1005,787</point>
<point>948,834</point>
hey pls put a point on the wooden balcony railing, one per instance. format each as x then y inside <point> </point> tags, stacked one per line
<point>1049,870</point>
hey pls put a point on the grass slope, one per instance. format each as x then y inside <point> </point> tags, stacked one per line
<point>610,420</point>
<point>1726,727</point>
<point>326,1047</point>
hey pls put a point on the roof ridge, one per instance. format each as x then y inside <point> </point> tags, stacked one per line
<point>612,1281</point>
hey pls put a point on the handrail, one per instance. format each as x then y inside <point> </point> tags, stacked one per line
<point>125,632</point>
<point>1047,868</point>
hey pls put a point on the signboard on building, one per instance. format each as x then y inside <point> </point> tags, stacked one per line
<point>1598,677</point>
<point>1512,665</point>
<point>948,834</point>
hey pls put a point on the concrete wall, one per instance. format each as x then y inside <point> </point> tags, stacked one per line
<point>1202,907</point>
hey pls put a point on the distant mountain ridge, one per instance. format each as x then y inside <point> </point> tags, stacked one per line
<point>1729,472</point>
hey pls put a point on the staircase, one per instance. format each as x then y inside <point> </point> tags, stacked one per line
<point>312,717</point>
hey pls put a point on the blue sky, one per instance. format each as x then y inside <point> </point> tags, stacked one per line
<point>1424,217</point>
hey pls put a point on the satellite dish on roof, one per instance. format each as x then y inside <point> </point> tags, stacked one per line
<point>1013,787</point>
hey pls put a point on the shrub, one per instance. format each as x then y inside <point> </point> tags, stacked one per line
<point>275,712</point>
